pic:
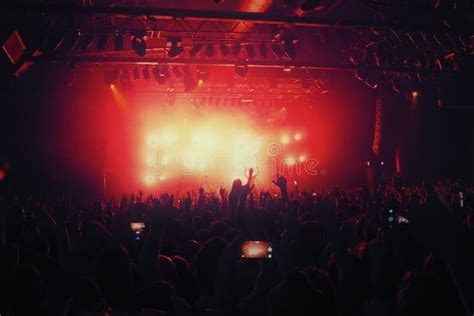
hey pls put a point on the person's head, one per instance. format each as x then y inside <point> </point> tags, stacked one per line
<point>183,270</point>
<point>167,270</point>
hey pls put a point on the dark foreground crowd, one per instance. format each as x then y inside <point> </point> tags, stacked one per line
<point>392,250</point>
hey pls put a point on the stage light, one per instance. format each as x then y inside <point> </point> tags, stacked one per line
<point>112,86</point>
<point>195,50</point>
<point>290,161</point>
<point>118,45</point>
<point>200,82</point>
<point>176,47</point>
<point>277,51</point>
<point>368,163</point>
<point>302,158</point>
<point>236,49</point>
<point>297,136</point>
<point>139,43</point>
<point>250,51</point>
<point>382,163</point>
<point>224,50</point>
<point>102,41</point>
<point>149,179</point>
<point>414,94</point>
<point>153,141</point>
<point>263,50</point>
<point>309,5</point>
<point>285,139</point>
<point>210,50</point>
<point>241,69</point>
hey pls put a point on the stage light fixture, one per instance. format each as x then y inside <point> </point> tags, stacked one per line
<point>241,69</point>
<point>210,50</point>
<point>138,42</point>
<point>102,41</point>
<point>176,46</point>
<point>118,41</point>
<point>277,51</point>
<point>146,73</point>
<point>236,49</point>
<point>250,51</point>
<point>309,5</point>
<point>195,50</point>
<point>263,50</point>
<point>224,50</point>
<point>414,94</point>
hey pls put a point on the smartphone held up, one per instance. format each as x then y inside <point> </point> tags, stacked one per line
<point>255,249</point>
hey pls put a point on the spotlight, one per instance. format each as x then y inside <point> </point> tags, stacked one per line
<point>414,94</point>
<point>285,139</point>
<point>382,163</point>
<point>236,49</point>
<point>263,50</point>
<point>146,74</point>
<point>250,51</point>
<point>241,69</point>
<point>118,41</point>
<point>368,163</point>
<point>138,42</point>
<point>309,5</point>
<point>297,136</point>
<point>224,50</point>
<point>176,46</point>
<point>196,49</point>
<point>302,158</point>
<point>102,41</point>
<point>277,51</point>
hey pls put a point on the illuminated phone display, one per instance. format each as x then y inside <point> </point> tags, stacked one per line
<point>256,249</point>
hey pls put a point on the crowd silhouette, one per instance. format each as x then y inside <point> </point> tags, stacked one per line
<point>388,250</point>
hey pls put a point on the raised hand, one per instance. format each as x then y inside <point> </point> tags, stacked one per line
<point>280,182</point>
